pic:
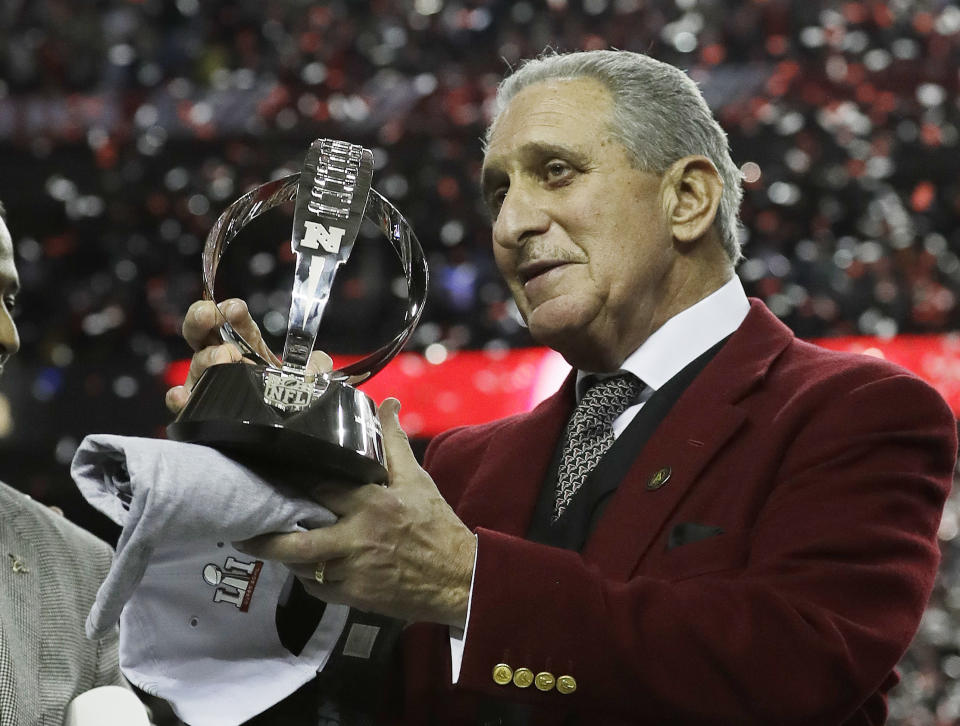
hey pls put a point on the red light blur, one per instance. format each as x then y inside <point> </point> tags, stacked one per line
<point>472,387</point>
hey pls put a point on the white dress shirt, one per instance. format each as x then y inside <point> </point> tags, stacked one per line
<point>677,343</point>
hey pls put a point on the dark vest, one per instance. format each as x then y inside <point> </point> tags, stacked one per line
<point>583,513</point>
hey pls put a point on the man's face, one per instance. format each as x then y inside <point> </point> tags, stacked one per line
<point>9,287</point>
<point>579,234</point>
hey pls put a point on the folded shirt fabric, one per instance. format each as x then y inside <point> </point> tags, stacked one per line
<point>198,617</point>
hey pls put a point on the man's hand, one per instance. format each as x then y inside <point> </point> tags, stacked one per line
<point>201,330</point>
<point>398,550</point>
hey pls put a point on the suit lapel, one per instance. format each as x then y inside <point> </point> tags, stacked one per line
<point>702,421</point>
<point>511,478</point>
<point>659,479</point>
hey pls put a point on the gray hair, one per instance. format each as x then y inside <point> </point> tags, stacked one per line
<point>659,116</point>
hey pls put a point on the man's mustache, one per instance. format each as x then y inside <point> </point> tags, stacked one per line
<point>534,252</point>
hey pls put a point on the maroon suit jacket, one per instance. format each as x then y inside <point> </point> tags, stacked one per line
<point>827,473</point>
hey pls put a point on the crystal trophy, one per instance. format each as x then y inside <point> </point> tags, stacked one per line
<point>279,409</point>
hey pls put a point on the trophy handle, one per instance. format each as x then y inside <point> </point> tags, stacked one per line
<point>379,211</point>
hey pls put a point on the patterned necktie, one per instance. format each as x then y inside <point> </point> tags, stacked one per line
<point>590,432</point>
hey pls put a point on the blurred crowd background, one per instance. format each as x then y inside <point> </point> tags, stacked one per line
<point>127,126</point>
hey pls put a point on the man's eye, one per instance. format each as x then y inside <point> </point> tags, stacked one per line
<point>10,303</point>
<point>557,170</point>
<point>495,199</point>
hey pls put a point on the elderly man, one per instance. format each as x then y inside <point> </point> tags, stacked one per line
<point>49,574</point>
<point>711,522</point>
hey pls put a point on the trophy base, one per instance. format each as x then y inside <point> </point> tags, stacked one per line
<point>335,434</point>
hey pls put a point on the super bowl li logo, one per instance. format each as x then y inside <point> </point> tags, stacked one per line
<point>234,583</point>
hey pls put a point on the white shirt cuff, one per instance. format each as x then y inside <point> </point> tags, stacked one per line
<point>458,637</point>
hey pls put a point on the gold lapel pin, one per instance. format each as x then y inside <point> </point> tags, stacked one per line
<point>18,565</point>
<point>659,479</point>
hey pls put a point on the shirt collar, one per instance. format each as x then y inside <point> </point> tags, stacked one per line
<point>685,336</point>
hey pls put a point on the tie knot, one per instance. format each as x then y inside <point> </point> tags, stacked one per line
<point>606,398</point>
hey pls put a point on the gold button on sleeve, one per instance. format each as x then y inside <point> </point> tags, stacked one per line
<point>566,684</point>
<point>544,680</point>
<point>502,674</point>
<point>523,678</point>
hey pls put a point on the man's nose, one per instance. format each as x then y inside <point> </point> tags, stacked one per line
<point>9,338</point>
<point>522,215</point>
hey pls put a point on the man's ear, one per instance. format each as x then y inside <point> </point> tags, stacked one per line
<point>692,189</point>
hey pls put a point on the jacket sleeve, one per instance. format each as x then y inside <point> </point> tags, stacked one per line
<point>836,571</point>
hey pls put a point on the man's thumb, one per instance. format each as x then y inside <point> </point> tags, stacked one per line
<point>396,445</point>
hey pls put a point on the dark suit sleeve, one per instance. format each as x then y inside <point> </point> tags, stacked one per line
<point>834,575</point>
